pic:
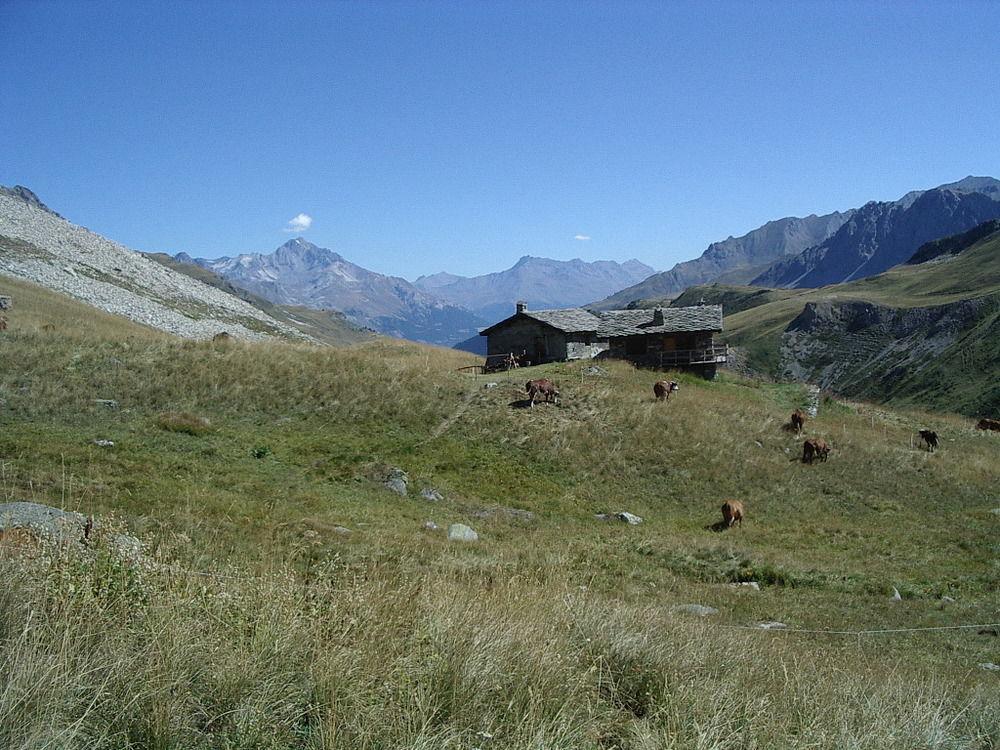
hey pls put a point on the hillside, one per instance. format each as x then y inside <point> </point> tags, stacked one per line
<point>881,235</point>
<point>541,282</point>
<point>38,245</point>
<point>326,326</point>
<point>926,334</point>
<point>302,274</point>
<point>290,600</point>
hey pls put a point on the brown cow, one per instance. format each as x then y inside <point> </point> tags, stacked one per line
<point>732,513</point>
<point>814,448</point>
<point>989,424</point>
<point>929,437</point>
<point>663,388</point>
<point>798,420</point>
<point>542,387</point>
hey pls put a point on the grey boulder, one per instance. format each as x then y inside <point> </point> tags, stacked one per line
<point>63,525</point>
<point>397,481</point>
<point>459,532</point>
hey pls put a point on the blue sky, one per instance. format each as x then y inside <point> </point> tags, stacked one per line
<point>426,136</point>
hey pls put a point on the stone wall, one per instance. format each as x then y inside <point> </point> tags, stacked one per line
<point>523,336</point>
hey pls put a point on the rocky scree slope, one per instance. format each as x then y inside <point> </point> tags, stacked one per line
<point>301,273</point>
<point>38,245</point>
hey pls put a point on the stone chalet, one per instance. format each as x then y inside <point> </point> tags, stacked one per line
<point>663,337</point>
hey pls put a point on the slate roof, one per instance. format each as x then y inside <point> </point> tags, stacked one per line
<point>570,320</point>
<point>624,322</point>
<point>675,320</point>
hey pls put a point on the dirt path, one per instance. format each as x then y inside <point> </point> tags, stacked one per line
<point>448,421</point>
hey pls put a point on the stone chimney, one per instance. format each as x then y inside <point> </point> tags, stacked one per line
<point>657,316</point>
<point>521,306</point>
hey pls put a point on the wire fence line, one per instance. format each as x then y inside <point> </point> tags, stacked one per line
<point>876,631</point>
<point>177,570</point>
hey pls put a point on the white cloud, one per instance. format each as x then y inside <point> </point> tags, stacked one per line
<point>582,237</point>
<point>300,223</point>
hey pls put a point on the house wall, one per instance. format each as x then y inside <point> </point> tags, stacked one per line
<point>654,343</point>
<point>524,335</point>
<point>584,346</point>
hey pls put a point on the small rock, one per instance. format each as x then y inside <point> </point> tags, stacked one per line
<point>895,595</point>
<point>459,532</point>
<point>108,403</point>
<point>947,600</point>
<point>771,625</point>
<point>397,480</point>
<point>431,526</point>
<point>342,530</point>
<point>127,548</point>
<point>989,666</point>
<point>429,493</point>
<point>748,584</point>
<point>623,516</point>
<point>491,385</point>
<point>595,370</point>
<point>104,443</point>
<point>995,511</point>
<point>695,609</point>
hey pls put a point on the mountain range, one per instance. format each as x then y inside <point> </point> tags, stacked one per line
<point>540,282</point>
<point>818,250</point>
<point>880,235</point>
<point>439,309</point>
<point>734,259</point>
<point>301,273</point>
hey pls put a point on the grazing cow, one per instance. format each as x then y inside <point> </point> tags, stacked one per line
<point>663,388</point>
<point>929,437</point>
<point>814,448</point>
<point>542,387</point>
<point>798,420</point>
<point>989,424</point>
<point>732,513</point>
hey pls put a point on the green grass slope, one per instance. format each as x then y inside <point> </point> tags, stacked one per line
<point>260,622</point>
<point>326,326</point>
<point>964,377</point>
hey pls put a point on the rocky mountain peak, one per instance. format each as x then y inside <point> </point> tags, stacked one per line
<point>28,196</point>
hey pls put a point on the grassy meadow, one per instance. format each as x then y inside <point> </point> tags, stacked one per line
<point>257,621</point>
